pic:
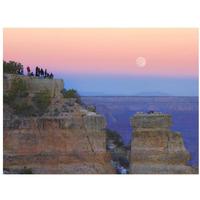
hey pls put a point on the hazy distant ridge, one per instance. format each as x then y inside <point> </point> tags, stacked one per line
<point>152,94</point>
<point>155,93</point>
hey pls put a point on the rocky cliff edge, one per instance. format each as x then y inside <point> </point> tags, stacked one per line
<point>68,139</point>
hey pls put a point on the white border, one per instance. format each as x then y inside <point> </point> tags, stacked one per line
<point>91,13</point>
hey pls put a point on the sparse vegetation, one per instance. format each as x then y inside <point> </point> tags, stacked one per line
<point>119,155</point>
<point>11,67</point>
<point>56,112</point>
<point>17,100</point>
<point>42,101</point>
<point>116,137</point>
<point>24,109</point>
<point>72,94</point>
<point>151,112</point>
<point>18,91</point>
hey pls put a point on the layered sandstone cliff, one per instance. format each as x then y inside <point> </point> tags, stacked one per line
<point>68,139</point>
<point>155,149</point>
<point>34,85</point>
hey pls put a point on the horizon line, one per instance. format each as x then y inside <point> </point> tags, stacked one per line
<point>133,96</point>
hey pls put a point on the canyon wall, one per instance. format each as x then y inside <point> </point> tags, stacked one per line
<point>68,139</point>
<point>155,149</point>
<point>34,84</point>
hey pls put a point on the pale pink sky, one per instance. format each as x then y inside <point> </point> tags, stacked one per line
<point>171,52</point>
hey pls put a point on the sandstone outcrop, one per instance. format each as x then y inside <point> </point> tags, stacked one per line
<point>155,149</point>
<point>68,139</point>
<point>34,85</point>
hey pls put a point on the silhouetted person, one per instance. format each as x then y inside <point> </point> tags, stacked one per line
<point>51,76</point>
<point>32,74</point>
<point>36,71</point>
<point>45,73</point>
<point>22,71</point>
<point>28,70</point>
<point>42,73</point>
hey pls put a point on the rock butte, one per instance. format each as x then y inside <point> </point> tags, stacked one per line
<point>73,142</point>
<point>155,149</point>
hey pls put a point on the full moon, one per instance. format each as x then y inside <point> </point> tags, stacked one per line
<point>140,61</point>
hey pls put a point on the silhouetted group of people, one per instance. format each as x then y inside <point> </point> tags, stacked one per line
<point>20,71</point>
<point>40,73</point>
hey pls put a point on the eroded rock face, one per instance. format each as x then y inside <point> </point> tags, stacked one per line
<point>70,144</point>
<point>66,140</point>
<point>156,149</point>
<point>34,84</point>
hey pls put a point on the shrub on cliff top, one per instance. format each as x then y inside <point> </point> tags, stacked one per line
<point>72,94</point>
<point>11,67</point>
